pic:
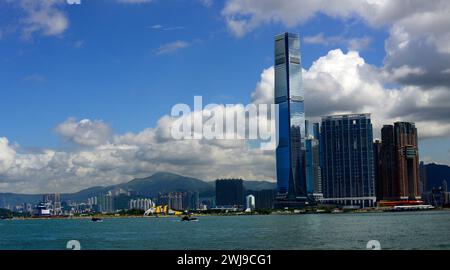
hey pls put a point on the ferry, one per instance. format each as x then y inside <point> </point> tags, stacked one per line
<point>413,207</point>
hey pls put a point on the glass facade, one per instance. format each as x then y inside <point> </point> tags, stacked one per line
<point>290,153</point>
<point>348,167</point>
<point>313,174</point>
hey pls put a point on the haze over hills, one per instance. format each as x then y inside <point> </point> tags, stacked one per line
<point>163,182</point>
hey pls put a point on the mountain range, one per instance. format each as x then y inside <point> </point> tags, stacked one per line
<point>163,182</point>
<point>436,174</point>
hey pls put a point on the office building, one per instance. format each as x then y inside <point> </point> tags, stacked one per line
<point>348,172</point>
<point>265,199</point>
<point>229,193</point>
<point>290,156</point>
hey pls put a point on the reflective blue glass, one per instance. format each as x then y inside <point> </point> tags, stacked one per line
<point>347,156</point>
<point>290,153</point>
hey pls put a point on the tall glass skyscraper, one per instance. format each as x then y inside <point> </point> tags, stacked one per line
<point>290,152</point>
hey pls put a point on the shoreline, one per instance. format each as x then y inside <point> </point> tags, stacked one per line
<point>225,214</point>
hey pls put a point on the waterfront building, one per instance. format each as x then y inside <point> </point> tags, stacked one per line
<point>265,199</point>
<point>105,203</point>
<point>437,197</point>
<point>121,201</point>
<point>53,202</point>
<point>348,173</point>
<point>173,200</point>
<point>191,200</point>
<point>229,192</point>
<point>389,187</point>
<point>313,170</point>
<point>141,204</point>
<point>423,179</point>
<point>400,162</point>
<point>250,202</point>
<point>377,169</point>
<point>289,97</point>
<point>406,143</point>
<point>92,201</point>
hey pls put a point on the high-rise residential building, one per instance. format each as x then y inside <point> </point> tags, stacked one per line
<point>389,188</point>
<point>121,201</point>
<point>423,179</point>
<point>313,170</point>
<point>290,157</point>
<point>407,152</point>
<point>400,162</point>
<point>191,200</point>
<point>174,200</point>
<point>53,202</point>
<point>141,204</point>
<point>348,172</point>
<point>377,169</point>
<point>106,203</point>
<point>230,193</point>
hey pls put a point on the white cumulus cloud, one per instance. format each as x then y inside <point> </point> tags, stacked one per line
<point>7,155</point>
<point>85,132</point>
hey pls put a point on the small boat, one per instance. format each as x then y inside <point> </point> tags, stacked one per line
<point>188,218</point>
<point>94,219</point>
<point>336,211</point>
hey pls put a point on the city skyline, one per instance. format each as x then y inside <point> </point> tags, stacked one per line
<point>102,119</point>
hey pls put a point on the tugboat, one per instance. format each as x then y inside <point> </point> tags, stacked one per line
<point>95,219</point>
<point>188,218</point>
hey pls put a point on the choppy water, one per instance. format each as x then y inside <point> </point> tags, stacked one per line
<point>413,230</point>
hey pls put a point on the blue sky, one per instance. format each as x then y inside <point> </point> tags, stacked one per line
<point>106,65</point>
<point>127,64</point>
